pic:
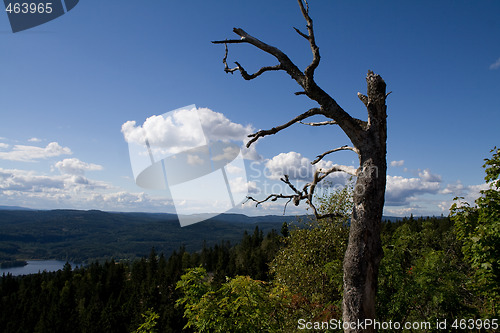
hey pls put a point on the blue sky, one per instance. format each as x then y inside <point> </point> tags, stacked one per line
<point>69,85</point>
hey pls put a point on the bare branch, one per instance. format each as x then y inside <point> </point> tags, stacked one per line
<point>297,93</point>
<point>301,33</point>
<point>307,192</point>
<point>296,198</point>
<point>320,157</point>
<point>247,76</point>
<point>285,62</point>
<point>272,197</point>
<point>354,128</point>
<point>274,130</point>
<point>337,168</point>
<point>309,72</point>
<point>224,61</point>
<point>321,123</point>
<point>229,41</point>
<point>363,98</point>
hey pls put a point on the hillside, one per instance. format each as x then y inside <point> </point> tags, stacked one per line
<point>78,236</point>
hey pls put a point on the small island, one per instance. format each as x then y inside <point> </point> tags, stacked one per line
<point>13,263</point>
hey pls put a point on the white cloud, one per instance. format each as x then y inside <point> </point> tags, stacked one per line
<point>24,153</point>
<point>495,65</point>
<point>34,140</point>
<point>218,127</point>
<point>427,176</point>
<point>194,160</point>
<point>232,169</point>
<point>229,153</point>
<point>28,188</point>
<point>74,166</point>
<point>405,211</point>
<point>292,164</point>
<point>400,190</point>
<point>25,181</point>
<point>457,189</point>
<point>397,163</point>
<point>470,192</point>
<point>298,167</point>
<point>239,185</point>
<point>3,145</point>
<point>183,129</point>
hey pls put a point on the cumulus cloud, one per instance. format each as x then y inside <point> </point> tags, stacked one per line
<point>428,177</point>
<point>400,190</point>
<point>28,188</point>
<point>232,169</point>
<point>24,153</point>
<point>228,154</point>
<point>397,163</point>
<point>3,145</point>
<point>74,166</point>
<point>34,140</point>
<point>194,160</point>
<point>495,65</point>
<point>24,181</point>
<point>240,185</point>
<point>29,181</point>
<point>292,164</point>
<point>457,189</point>
<point>184,129</point>
<point>298,167</point>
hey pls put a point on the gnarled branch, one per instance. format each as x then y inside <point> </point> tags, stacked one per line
<point>307,192</point>
<point>285,62</point>
<point>320,157</point>
<point>224,61</point>
<point>309,72</point>
<point>274,130</point>
<point>321,123</point>
<point>354,128</point>
<point>264,69</point>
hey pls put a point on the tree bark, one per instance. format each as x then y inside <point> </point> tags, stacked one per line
<point>364,250</point>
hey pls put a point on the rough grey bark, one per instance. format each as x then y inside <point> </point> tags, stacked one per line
<point>368,139</point>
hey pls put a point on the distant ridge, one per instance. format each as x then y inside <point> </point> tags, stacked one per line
<point>87,235</point>
<point>14,208</point>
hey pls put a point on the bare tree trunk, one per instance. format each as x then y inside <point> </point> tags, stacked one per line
<point>364,250</point>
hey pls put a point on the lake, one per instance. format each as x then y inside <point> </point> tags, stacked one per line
<point>35,266</point>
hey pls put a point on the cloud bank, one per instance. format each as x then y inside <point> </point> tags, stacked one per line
<point>22,153</point>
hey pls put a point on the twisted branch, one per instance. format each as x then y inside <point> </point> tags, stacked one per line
<point>320,157</point>
<point>274,130</point>
<point>321,123</point>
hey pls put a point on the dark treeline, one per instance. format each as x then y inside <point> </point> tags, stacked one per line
<point>112,296</point>
<point>423,276</point>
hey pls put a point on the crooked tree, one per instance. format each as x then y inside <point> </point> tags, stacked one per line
<point>368,138</point>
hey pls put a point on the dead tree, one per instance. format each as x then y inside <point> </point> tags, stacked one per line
<point>368,139</point>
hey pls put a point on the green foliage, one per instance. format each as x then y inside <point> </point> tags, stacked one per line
<point>479,229</point>
<point>150,318</point>
<point>423,276</point>
<point>310,265</point>
<point>241,304</point>
<point>307,278</point>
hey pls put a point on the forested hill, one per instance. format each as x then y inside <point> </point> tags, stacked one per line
<point>77,235</point>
